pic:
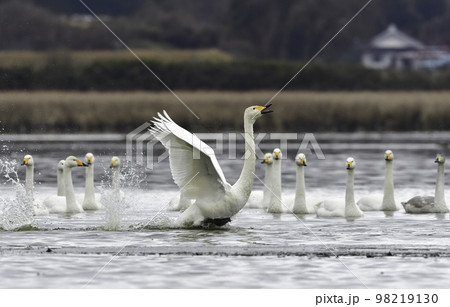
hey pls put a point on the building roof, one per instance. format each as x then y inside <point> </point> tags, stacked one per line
<point>394,39</point>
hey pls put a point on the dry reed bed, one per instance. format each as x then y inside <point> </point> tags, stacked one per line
<point>41,112</point>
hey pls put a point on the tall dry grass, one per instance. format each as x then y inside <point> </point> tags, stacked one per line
<point>41,112</point>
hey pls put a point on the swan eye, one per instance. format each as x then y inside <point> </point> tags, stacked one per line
<point>253,108</point>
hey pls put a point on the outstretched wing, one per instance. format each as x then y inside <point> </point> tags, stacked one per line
<point>193,164</point>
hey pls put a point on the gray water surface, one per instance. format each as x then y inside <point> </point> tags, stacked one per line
<point>257,249</point>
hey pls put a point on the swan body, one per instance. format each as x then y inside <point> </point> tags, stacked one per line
<point>70,205</point>
<point>385,202</point>
<point>275,203</point>
<point>302,205</point>
<point>91,200</point>
<point>430,204</point>
<point>38,207</point>
<point>261,199</point>
<point>195,170</point>
<point>337,207</point>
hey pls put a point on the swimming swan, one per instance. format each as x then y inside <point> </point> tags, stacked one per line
<point>38,207</point>
<point>91,200</point>
<point>275,204</point>
<point>195,169</point>
<point>60,179</point>
<point>115,166</point>
<point>261,199</point>
<point>302,204</point>
<point>337,207</point>
<point>385,202</point>
<point>54,204</point>
<point>430,204</point>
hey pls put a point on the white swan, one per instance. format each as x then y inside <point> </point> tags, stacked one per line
<point>38,207</point>
<point>70,204</point>
<point>91,199</point>
<point>385,202</point>
<point>337,207</point>
<point>60,179</point>
<point>275,204</point>
<point>196,170</point>
<point>302,204</point>
<point>261,199</point>
<point>430,204</point>
<point>115,165</point>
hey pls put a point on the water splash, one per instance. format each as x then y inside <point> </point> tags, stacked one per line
<point>18,212</point>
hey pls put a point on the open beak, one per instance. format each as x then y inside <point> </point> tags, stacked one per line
<point>265,111</point>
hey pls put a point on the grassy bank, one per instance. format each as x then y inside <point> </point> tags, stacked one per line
<point>41,112</point>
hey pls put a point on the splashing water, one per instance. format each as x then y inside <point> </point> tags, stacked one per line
<point>18,212</point>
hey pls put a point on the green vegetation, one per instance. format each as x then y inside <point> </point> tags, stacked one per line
<point>206,69</point>
<point>44,112</point>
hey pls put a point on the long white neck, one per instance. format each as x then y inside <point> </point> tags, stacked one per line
<point>300,196</point>
<point>388,203</point>
<point>275,203</point>
<point>350,204</point>
<point>245,182</point>
<point>29,179</point>
<point>267,185</point>
<point>116,179</point>
<point>71,203</point>
<point>439,198</point>
<point>89,190</point>
<point>60,180</point>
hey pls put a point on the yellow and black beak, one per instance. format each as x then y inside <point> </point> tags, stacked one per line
<point>113,164</point>
<point>79,163</point>
<point>89,161</point>
<point>266,160</point>
<point>263,109</point>
<point>437,160</point>
<point>387,156</point>
<point>349,165</point>
<point>25,161</point>
<point>303,162</point>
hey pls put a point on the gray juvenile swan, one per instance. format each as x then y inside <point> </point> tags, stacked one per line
<point>430,204</point>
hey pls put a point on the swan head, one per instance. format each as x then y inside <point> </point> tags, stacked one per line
<point>351,163</point>
<point>277,155</point>
<point>61,165</point>
<point>89,158</point>
<point>72,162</point>
<point>28,160</point>
<point>115,162</point>
<point>268,159</point>
<point>300,159</point>
<point>388,155</point>
<point>440,158</point>
<point>254,112</point>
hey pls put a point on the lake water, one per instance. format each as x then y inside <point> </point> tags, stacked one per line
<point>257,249</point>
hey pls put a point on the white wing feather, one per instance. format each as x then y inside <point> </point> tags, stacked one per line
<point>193,164</point>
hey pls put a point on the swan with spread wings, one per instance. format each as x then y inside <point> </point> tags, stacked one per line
<point>197,172</point>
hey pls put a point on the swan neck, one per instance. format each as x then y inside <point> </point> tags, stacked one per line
<point>71,203</point>
<point>275,204</point>
<point>388,194</point>
<point>245,181</point>
<point>60,180</point>
<point>349,191</point>
<point>116,179</point>
<point>439,197</point>
<point>29,179</point>
<point>89,185</point>
<point>300,196</point>
<point>267,185</point>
